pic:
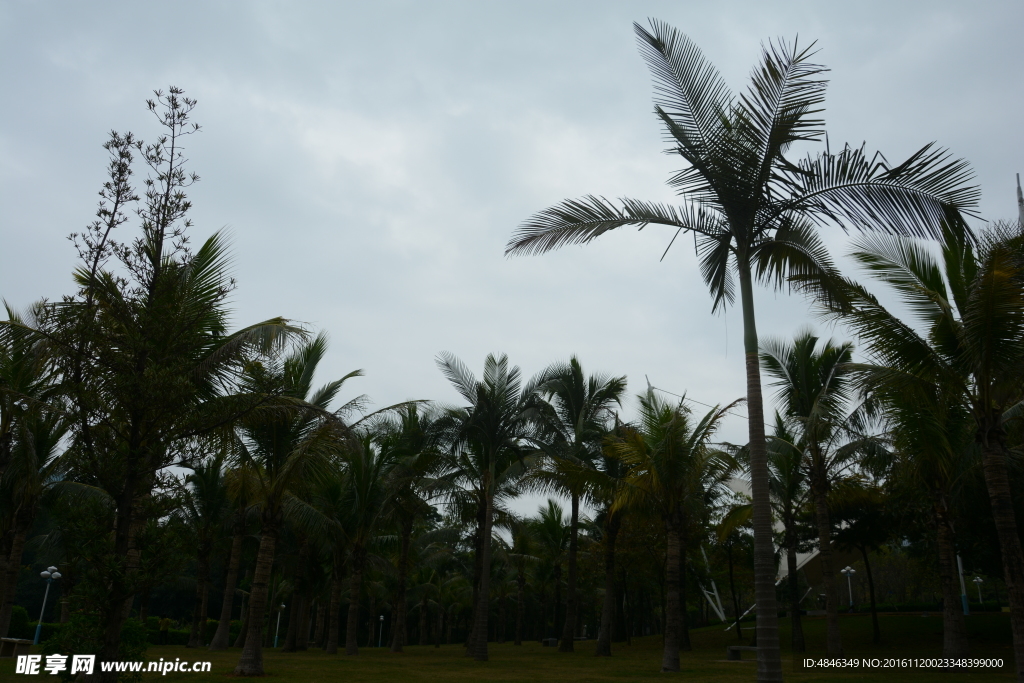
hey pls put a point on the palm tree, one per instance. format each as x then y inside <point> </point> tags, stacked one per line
<point>280,447</point>
<point>574,426</point>
<point>368,494</point>
<point>673,471</point>
<point>204,507</point>
<point>752,212</point>
<point>487,441</point>
<point>551,535</point>
<point>411,436</point>
<point>971,305</point>
<point>236,480</point>
<point>815,389</point>
<point>789,492</point>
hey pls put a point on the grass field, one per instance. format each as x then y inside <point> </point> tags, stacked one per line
<point>904,636</point>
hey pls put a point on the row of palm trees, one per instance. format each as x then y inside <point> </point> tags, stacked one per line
<point>342,494</point>
<point>107,391</point>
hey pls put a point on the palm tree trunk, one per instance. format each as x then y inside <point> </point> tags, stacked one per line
<point>684,616</point>
<point>251,661</point>
<point>732,590</point>
<point>954,627</point>
<point>302,633</point>
<point>352,628</point>
<point>520,606</point>
<point>997,481</point>
<point>243,632</point>
<point>479,644</point>
<point>220,638</point>
<point>876,631</point>
<point>423,620</point>
<point>321,620</point>
<point>195,636</point>
<point>569,629</point>
<point>440,623</point>
<point>670,653</point>
<point>769,656</point>
<point>334,616</point>
<point>401,608</point>
<point>819,489</point>
<point>797,627</point>
<point>604,635</point>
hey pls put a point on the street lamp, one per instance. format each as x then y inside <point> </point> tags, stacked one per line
<point>849,571</point>
<point>977,582</point>
<point>380,638</point>
<point>280,609</point>
<point>50,575</point>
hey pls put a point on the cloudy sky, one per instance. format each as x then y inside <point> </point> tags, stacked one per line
<point>372,159</point>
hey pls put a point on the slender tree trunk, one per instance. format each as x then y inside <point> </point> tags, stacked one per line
<point>604,634</point>
<point>334,620</point>
<point>352,628</point>
<point>571,606</point>
<point>797,627</point>
<point>372,630</point>
<point>440,623</point>
<point>520,605</point>
<point>293,623</point>
<point>997,481</point>
<point>819,490</point>
<point>477,573</point>
<point>302,633</point>
<point>251,661</point>
<point>321,617</point>
<point>732,589</point>
<point>954,627</point>
<point>684,613</point>
<point>401,608</point>
<point>195,636</point>
<point>220,638</point>
<point>670,652</point>
<point>479,646</point>
<point>500,626</point>
<point>423,620</point>
<point>243,632</point>
<point>769,656</point>
<point>876,631</point>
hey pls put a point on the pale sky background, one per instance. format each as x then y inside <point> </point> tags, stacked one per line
<point>372,159</point>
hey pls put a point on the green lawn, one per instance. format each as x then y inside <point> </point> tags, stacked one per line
<point>905,636</point>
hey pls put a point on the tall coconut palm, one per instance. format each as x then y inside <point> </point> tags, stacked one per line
<point>573,429</point>
<point>488,447</point>
<point>752,212</point>
<point>673,471</point>
<point>970,303</point>
<point>237,481</point>
<point>816,391</point>
<point>280,447</point>
<point>368,495</point>
<point>410,435</point>
<point>205,507</point>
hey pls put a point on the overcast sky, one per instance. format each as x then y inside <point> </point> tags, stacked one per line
<point>372,159</point>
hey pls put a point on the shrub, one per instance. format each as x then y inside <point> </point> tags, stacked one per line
<point>19,623</point>
<point>83,635</point>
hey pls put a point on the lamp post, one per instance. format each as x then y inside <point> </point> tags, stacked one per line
<point>977,582</point>
<point>280,609</point>
<point>380,637</point>
<point>849,571</point>
<point>50,574</point>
